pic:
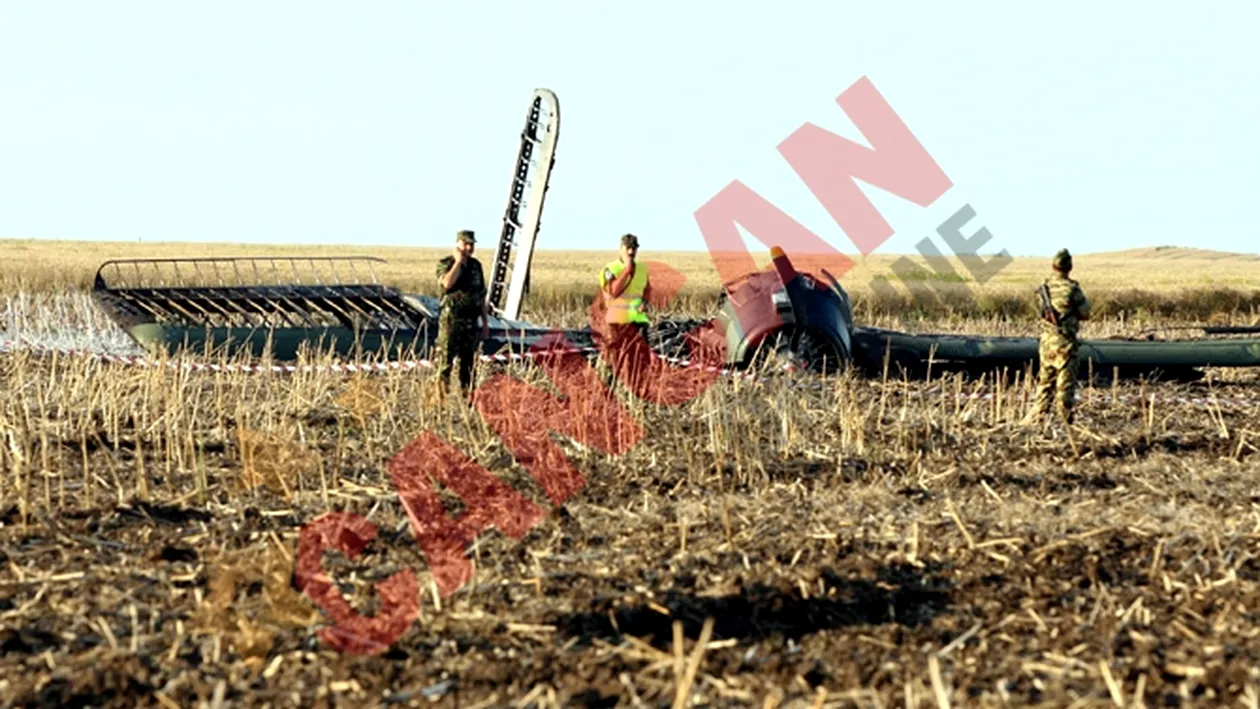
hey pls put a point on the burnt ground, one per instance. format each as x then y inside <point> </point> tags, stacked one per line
<point>848,548</point>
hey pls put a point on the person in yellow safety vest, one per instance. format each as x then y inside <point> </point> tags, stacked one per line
<point>626,289</point>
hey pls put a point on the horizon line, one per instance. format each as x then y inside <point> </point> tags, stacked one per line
<point>538,249</point>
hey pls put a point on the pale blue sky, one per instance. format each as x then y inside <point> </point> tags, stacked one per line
<point>1090,125</point>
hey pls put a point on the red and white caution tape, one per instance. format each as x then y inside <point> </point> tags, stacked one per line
<point>407,365</point>
<point>397,365</point>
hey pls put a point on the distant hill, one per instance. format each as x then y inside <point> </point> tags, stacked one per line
<point>1174,253</point>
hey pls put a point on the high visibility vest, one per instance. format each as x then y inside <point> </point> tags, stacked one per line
<point>627,307</point>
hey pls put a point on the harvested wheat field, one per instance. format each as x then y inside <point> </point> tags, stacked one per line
<point>800,542</point>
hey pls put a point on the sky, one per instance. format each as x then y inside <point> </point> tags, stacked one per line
<point>1091,126</point>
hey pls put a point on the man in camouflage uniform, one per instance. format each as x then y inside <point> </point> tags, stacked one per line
<point>463,302</point>
<point>1059,344</point>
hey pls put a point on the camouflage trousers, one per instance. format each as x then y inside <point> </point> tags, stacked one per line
<point>1056,380</point>
<point>457,339</point>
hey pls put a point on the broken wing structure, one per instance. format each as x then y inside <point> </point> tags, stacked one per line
<point>278,307</point>
<point>524,215</point>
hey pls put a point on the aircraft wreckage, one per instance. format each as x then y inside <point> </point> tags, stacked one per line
<point>281,306</point>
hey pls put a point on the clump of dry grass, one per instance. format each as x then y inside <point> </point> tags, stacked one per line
<point>251,602</point>
<point>270,458</point>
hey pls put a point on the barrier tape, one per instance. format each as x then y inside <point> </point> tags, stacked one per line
<point>396,365</point>
<point>142,361</point>
<point>811,384</point>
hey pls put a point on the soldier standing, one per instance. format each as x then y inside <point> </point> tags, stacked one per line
<point>463,305</point>
<point>1064,306</point>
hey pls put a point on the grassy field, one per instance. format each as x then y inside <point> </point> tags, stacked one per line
<point>817,543</point>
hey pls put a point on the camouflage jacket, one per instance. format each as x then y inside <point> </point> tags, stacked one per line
<point>466,296</point>
<point>1070,303</point>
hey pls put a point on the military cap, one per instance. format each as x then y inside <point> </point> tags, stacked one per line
<point>466,235</point>
<point>630,240</point>
<point>1063,260</point>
